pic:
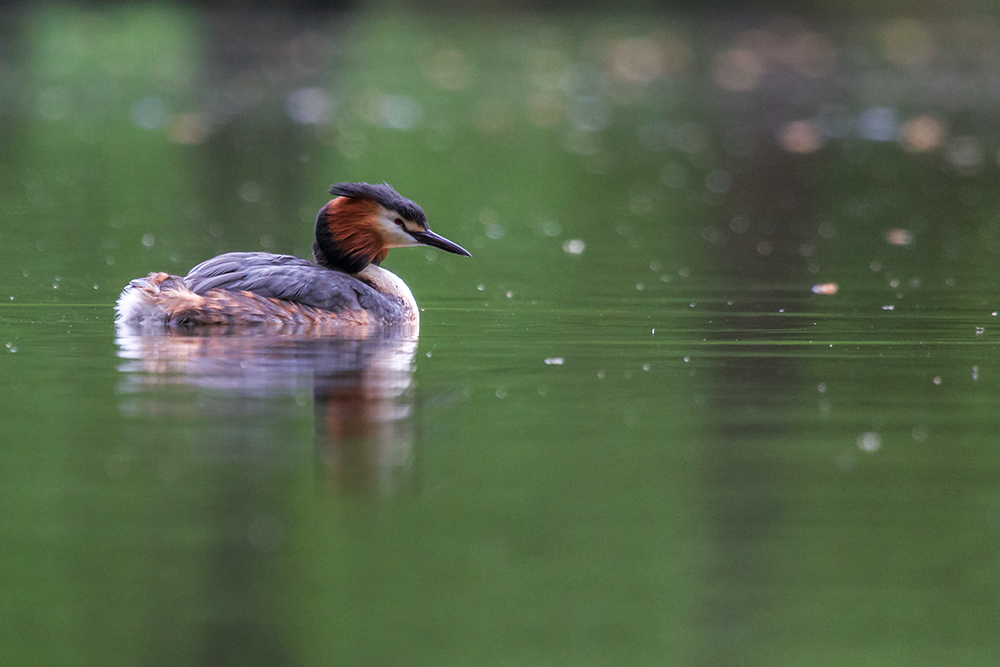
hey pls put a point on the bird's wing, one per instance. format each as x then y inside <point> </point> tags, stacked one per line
<point>282,277</point>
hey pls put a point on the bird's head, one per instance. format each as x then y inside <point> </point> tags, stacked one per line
<point>362,222</point>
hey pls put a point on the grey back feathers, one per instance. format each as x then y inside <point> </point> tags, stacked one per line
<point>292,279</point>
<point>385,196</point>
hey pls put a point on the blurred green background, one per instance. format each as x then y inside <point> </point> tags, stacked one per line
<point>718,387</point>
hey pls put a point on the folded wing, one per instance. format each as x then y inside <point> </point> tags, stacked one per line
<point>282,277</point>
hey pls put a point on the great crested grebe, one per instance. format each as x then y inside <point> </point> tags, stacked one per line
<point>345,285</point>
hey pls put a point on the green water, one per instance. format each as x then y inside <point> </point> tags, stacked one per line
<point>629,432</point>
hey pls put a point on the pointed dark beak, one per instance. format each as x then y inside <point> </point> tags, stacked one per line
<point>428,237</point>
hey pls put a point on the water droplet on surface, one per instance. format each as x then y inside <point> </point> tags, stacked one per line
<point>251,192</point>
<point>869,442</point>
<point>825,288</point>
<point>903,237</point>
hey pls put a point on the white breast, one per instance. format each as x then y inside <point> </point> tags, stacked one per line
<point>390,284</point>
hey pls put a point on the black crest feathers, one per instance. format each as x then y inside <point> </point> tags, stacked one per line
<point>384,195</point>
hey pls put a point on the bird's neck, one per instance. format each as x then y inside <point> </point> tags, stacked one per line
<point>345,239</point>
<point>388,283</point>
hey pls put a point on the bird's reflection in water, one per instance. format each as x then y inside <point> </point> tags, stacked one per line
<point>361,380</point>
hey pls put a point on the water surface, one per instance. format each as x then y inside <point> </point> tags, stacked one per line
<point>718,387</point>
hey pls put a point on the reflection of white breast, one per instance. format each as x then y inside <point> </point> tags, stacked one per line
<point>391,285</point>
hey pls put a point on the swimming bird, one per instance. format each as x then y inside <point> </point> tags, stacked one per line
<point>343,285</point>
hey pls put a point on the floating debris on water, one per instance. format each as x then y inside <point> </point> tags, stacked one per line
<point>826,288</point>
<point>902,237</point>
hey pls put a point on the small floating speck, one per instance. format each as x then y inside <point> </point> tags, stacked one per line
<point>821,387</point>
<point>889,307</point>
<point>480,287</point>
<point>554,361</point>
<point>980,331</point>
<point>869,442</point>
<point>148,240</point>
<point>600,375</point>
<point>640,286</point>
<point>510,294</point>
<point>825,288</point>
<point>501,392</point>
<point>975,372</point>
<point>687,359</point>
<point>937,379</point>
<point>899,237</point>
<point>574,246</point>
<point>645,367</point>
<point>428,354</point>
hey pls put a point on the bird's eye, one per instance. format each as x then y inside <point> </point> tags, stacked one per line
<point>399,223</point>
